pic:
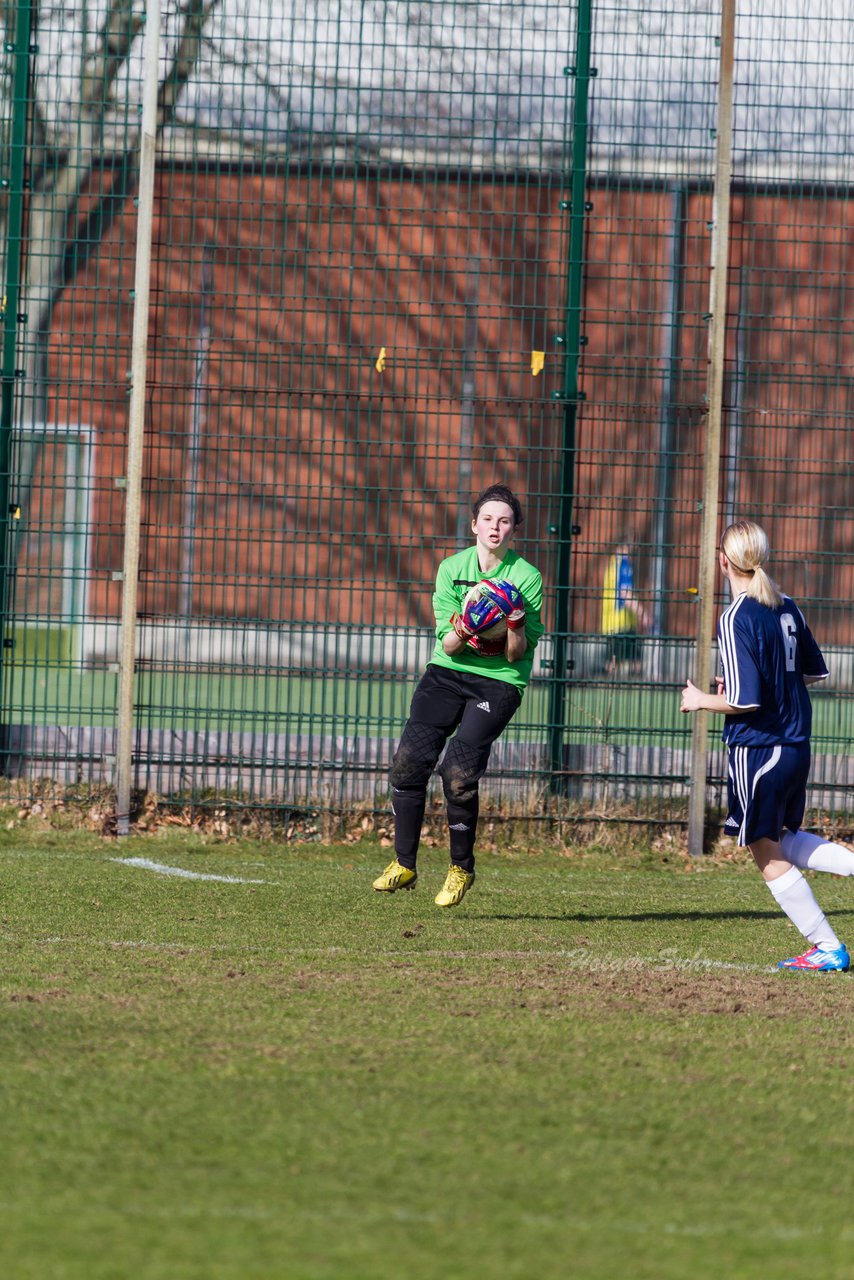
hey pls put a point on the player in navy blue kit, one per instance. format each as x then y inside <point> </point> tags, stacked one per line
<point>768,658</point>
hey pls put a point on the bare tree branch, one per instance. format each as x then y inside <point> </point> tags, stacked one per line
<point>59,244</point>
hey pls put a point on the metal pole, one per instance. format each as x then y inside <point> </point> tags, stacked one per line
<point>667,412</point>
<point>194,448</point>
<point>136,425</point>
<point>735,429</point>
<point>572,341</point>
<point>11,318</point>
<point>712,470</point>
<point>467,398</point>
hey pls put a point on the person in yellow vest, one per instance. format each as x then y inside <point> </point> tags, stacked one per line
<point>624,617</point>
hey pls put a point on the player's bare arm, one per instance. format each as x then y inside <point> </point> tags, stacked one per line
<point>693,699</point>
<point>517,645</point>
<point>453,643</point>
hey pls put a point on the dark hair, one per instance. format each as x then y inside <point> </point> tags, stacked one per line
<point>499,493</point>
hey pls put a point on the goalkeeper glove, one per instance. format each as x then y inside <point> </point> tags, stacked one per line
<point>481,613</point>
<point>488,648</point>
<point>507,598</point>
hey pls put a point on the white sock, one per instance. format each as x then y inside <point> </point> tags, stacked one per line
<point>806,850</point>
<point>794,896</point>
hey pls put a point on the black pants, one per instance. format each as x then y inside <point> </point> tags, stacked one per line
<point>480,710</point>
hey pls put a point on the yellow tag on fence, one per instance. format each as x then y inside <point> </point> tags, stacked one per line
<point>538,359</point>
<point>380,364</point>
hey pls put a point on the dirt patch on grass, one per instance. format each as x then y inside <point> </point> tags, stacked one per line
<point>710,993</point>
<point>670,991</point>
<point>557,989</point>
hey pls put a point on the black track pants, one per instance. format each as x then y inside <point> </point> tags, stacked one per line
<point>480,710</point>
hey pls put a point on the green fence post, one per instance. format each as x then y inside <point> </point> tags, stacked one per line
<point>578,208</point>
<point>12,180</point>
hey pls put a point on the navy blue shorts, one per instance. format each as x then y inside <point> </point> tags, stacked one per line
<point>766,791</point>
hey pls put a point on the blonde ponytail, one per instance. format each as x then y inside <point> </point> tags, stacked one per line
<point>745,545</point>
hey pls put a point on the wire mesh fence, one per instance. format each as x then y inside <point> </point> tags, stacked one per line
<point>374,292</point>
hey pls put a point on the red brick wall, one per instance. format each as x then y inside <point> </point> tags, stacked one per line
<point>328,491</point>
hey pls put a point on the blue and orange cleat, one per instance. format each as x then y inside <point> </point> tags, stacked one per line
<point>818,961</point>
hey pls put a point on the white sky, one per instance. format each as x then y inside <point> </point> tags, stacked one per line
<point>483,84</point>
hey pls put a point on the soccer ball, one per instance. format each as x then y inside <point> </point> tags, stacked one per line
<point>492,638</point>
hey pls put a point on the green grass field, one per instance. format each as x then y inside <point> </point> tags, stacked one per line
<point>590,1069</point>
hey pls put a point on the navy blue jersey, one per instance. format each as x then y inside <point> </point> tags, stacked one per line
<point>765,654</point>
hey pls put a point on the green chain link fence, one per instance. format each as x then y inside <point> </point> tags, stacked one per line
<point>401,251</point>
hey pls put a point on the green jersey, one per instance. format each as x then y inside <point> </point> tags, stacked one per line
<point>454,579</point>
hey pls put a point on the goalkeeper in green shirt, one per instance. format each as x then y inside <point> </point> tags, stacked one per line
<point>471,689</point>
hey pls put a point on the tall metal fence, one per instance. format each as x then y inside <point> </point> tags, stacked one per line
<point>401,251</point>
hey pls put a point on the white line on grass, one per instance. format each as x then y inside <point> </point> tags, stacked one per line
<point>588,1225</point>
<point>144,944</point>
<point>343,1213</point>
<point>147,865</point>
<point>582,959</point>
<point>576,958</point>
